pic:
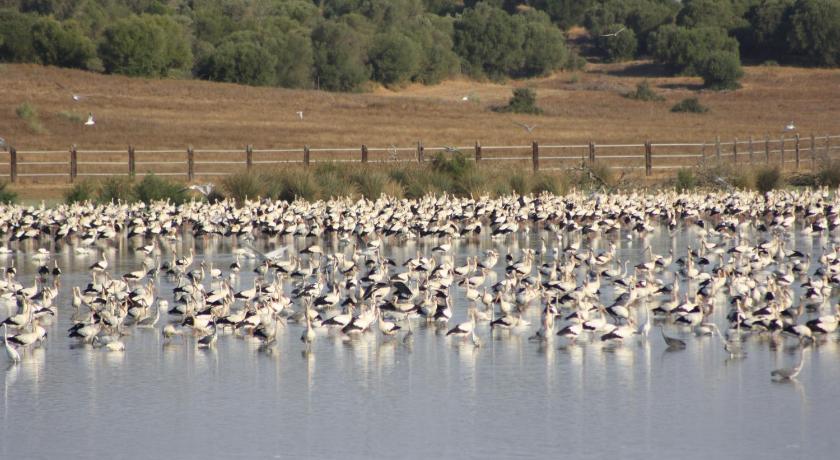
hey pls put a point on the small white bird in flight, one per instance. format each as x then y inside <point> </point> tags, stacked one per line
<point>529,128</point>
<point>790,127</point>
<point>614,34</point>
<point>300,114</point>
<point>466,98</point>
<point>204,189</point>
<point>90,121</point>
<point>77,97</point>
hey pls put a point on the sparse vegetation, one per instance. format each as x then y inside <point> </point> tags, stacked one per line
<point>29,114</point>
<point>80,192</point>
<point>689,105</point>
<point>685,181</point>
<point>72,117</point>
<point>828,174</point>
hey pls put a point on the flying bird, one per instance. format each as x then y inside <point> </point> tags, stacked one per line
<point>77,97</point>
<point>529,128</point>
<point>614,34</point>
<point>204,189</point>
<point>300,114</point>
<point>790,127</point>
<point>90,121</point>
<point>465,98</point>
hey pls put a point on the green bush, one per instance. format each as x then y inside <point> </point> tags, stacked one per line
<point>684,50</point>
<point>519,183</point>
<point>548,184</point>
<point>61,44</point>
<point>544,48</point>
<point>16,37</point>
<point>240,59</point>
<point>685,180</point>
<point>524,100</point>
<point>768,178</point>
<point>80,192</point>
<point>645,93</point>
<point>689,105</point>
<point>370,184</point>
<point>7,196</point>
<point>341,59</point>
<point>453,164</point>
<point>721,70</point>
<point>489,41</point>
<point>153,188</point>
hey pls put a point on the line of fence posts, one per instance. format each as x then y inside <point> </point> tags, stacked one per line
<point>535,155</point>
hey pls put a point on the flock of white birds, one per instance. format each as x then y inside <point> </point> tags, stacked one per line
<point>733,271</point>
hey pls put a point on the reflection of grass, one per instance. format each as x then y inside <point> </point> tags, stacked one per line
<point>28,113</point>
<point>72,117</point>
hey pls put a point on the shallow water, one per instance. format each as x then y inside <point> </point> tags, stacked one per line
<point>374,397</point>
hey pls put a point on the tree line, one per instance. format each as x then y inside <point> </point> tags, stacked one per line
<point>344,45</point>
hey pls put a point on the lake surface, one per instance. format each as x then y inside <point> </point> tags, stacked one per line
<point>441,397</point>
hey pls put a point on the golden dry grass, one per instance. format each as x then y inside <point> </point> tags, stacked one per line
<point>579,106</point>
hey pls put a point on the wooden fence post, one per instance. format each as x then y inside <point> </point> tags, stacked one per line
<point>306,156</point>
<point>421,152</point>
<point>190,163</point>
<point>364,153</point>
<point>813,153</point>
<point>703,153</point>
<point>648,158</point>
<point>717,148</point>
<point>767,148</point>
<point>73,163</point>
<point>735,151</point>
<point>13,164</point>
<point>827,147</point>
<point>782,153</point>
<point>591,153</point>
<point>477,152</point>
<point>535,155</point>
<point>249,157</point>
<point>752,150</point>
<point>131,170</point>
<point>797,150</point>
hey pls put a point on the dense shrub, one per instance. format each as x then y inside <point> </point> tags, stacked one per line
<point>115,189</point>
<point>395,58</point>
<point>242,186</point>
<point>145,46</point>
<point>240,59</point>
<point>619,47</point>
<point>768,178</point>
<point>721,70</point>
<point>524,100</point>
<point>644,92</point>
<point>828,174</point>
<point>489,41</point>
<point>815,31</point>
<point>61,44</point>
<point>544,48</point>
<point>340,56</point>
<point>685,180</point>
<point>81,191</point>
<point>689,105</point>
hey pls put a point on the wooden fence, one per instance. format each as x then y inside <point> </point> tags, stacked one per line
<point>790,152</point>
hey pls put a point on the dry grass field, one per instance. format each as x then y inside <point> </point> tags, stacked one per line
<point>579,107</point>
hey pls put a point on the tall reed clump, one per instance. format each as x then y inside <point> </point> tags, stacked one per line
<point>828,174</point>
<point>126,189</point>
<point>242,186</point>
<point>685,180</point>
<point>7,196</point>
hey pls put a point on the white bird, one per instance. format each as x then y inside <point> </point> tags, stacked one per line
<point>90,121</point>
<point>790,127</point>
<point>615,34</point>
<point>3,145</point>
<point>300,114</point>
<point>77,97</point>
<point>465,98</point>
<point>529,128</point>
<point>204,189</point>
<point>11,351</point>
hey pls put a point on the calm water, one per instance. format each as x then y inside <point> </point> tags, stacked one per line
<point>373,397</point>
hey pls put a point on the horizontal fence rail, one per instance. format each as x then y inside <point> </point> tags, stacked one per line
<point>790,152</point>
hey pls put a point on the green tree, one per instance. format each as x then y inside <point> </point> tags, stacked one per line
<point>683,49</point>
<point>767,30</point>
<point>565,13</point>
<point>618,47</point>
<point>489,41</point>
<point>544,48</point>
<point>134,46</point>
<point>61,44</point>
<point>340,53</point>
<point>721,70</point>
<point>433,34</point>
<point>395,58</point>
<point>815,31</point>
<point>716,13</point>
<point>16,40</point>
<point>240,58</point>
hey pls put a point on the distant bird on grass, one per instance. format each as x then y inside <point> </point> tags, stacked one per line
<point>77,97</point>
<point>790,127</point>
<point>529,128</point>
<point>300,114</point>
<point>615,34</point>
<point>90,121</point>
